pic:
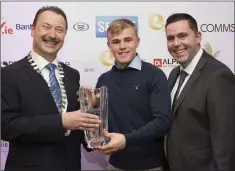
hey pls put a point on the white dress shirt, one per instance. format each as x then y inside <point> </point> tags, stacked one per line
<point>42,63</point>
<point>189,70</point>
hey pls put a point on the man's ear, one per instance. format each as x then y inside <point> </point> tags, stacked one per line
<point>108,44</point>
<point>138,42</point>
<point>32,30</point>
<point>199,37</point>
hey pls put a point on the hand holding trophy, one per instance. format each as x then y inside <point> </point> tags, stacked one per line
<point>95,101</point>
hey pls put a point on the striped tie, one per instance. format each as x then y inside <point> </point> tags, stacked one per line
<point>54,86</point>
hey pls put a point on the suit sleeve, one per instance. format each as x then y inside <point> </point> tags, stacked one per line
<point>160,103</point>
<point>15,125</point>
<point>221,110</point>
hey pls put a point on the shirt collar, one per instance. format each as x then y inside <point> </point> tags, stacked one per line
<point>135,63</point>
<point>40,61</point>
<point>192,65</point>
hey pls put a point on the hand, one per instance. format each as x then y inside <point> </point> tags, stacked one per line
<point>80,121</point>
<point>117,142</point>
<point>91,97</point>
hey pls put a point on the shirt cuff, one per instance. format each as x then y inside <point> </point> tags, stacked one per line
<point>67,132</point>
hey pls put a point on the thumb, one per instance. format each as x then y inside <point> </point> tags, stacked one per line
<point>107,134</point>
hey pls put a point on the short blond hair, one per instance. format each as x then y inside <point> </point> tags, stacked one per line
<point>118,25</point>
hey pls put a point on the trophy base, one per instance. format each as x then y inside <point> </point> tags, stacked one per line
<point>95,143</point>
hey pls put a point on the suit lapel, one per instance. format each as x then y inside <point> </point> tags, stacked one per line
<point>39,82</point>
<point>186,88</point>
<point>36,77</point>
<point>192,79</point>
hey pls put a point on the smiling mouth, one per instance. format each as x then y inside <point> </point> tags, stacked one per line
<point>50,42</point>
<point>123,53</point>
<point>179,52</point>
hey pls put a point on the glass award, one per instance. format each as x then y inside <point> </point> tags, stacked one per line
<point>95,102</point>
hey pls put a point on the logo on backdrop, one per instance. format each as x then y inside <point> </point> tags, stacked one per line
<point>210,50</point>
<point>4,145</point>
<point>22,27</point>
<point>89,69</point>
<point>81,26</point>
<point>165,63</point>
<point>217,27</point>
<point>6,29</point>
<point>107,58</point>
<point>171,62</point>
<point>156,22</point>
<point>103,22</point>
<point>157,62</point>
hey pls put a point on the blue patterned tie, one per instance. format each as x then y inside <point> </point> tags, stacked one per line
<point>54,86</point>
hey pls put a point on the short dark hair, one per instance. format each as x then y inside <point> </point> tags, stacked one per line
<point>54,9</point>
<point>182,16</point>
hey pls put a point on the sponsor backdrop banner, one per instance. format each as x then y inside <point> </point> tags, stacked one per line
<point>85,47</point>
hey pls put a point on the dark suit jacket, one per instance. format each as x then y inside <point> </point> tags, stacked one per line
<point>31,123</point>
<point>202,134</point>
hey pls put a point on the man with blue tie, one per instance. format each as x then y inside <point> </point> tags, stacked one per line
<point>40,114</point>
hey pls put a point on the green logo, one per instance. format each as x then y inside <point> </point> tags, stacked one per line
<point>209,50</point>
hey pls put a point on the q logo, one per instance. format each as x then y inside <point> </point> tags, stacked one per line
<point>156,22</point>
<point>106,58</point>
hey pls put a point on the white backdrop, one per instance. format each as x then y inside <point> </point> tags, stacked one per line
<point>89,54</point>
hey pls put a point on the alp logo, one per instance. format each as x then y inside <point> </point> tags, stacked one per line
<point>5,29</point>
<point>81,26</point>
<point>107,58</point>
<point>103,22</point>
<point>157,62</point>
<point>156,22</point>
<point>166,63</point>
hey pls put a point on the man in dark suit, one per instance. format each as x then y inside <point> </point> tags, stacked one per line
<point>39,108</point>
<point>202,134</point>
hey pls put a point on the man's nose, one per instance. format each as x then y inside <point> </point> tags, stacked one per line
<point>122,45</point>
<point>176,42</point>
<point>52,33</point>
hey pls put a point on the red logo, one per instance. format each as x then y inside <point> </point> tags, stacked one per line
<point>157,62</point>
<point>5,29</point>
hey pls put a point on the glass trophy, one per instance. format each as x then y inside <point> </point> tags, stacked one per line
<point>95,102</point>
